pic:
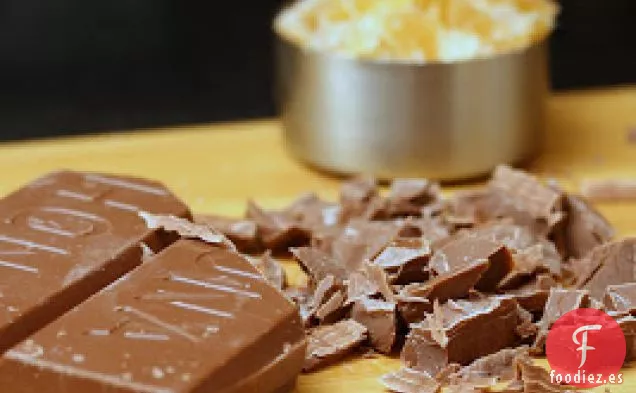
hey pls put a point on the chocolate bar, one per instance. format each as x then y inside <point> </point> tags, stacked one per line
<point>196,318</point>
<point>67,235</point>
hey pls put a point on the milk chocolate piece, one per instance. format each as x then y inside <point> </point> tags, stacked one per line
<point>329,343</point>
<point>585,228</point>
<point>407,380</point>
<point>499,366</point>
<point>413,309</point>
<point>524,199</point>
<point>67,235</point>
<point>534,295</point>
<point>379,318</point>
<point>406,259</point>
<point>361,241</point>
<point>621,298</point>
<point>560,302</point>
<point>610,264</point>
<point>318,264</point>
<point>187,229</point>
<point>407,197</point>
<point>276,230</point>
<point>271,269</point>
<point>609,189</point>
<point>464,251</point>
<point>243,233</point>
<point>313,213</point>
<point>196,318</point>
<point>453,285</point>
<point>360,198</point>
<point>460,332</point>
<point>369,281</point>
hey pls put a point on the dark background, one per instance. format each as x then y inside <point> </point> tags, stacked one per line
<point>75,66</point>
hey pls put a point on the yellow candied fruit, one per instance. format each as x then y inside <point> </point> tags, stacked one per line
<point>417,30</point>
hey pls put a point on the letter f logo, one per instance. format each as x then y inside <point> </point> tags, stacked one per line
<point>583,343</point>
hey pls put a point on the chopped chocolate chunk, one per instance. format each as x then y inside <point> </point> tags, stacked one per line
<point>499,366</point>
<point>360,198</point>
<point>523,194</point>
<point>465,251</point>
<point>332,310</point>
<point>362,241</point>
<point>276,230</point>
<point>407,197</point>
<point>243,233</point>
<point>379,318</point>
<point>407,380</point>
<point>560,302</point>
<point>430,229</point>
<point>406,259</point>
<point>453,285</point>
<point>621,298</point>
<point>318,264</point>
<point>530,262</point>
<point>413,309</point>
<point>312,213</point>
<point>609,189</point>
<point>464,207</point>
<point>271,269</point>
<point>369,281</point>
<point>535,378</point>
<point>609,264</point>
<point>186,229</point>
<point>329,343</point>
<point>585,228</point>
<point>461,332</point>
<point>534,295</point>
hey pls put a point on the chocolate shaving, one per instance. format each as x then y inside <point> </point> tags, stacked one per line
<point>329,343</point>
<point>498,367</point>
<point>407,380</point>
<point>187,229</point>
<point>609,190</point>
<point>243,233</point>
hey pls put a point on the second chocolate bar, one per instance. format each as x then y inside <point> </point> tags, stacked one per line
<point>195,318</point>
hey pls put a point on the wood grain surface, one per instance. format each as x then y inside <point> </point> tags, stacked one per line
<point>215,168</point>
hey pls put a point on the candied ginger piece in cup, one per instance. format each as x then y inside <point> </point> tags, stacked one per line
<point>417,30</point>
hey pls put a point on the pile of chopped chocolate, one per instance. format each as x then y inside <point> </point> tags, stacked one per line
<point>466,286</point>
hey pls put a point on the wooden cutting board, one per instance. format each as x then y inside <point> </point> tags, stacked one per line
<point>215,168</point>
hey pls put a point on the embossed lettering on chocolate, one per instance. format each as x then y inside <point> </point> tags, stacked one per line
<point>194,318</point>
<point>66,236</point>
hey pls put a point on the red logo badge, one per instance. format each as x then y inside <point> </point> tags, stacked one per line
<point>586,348</point>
